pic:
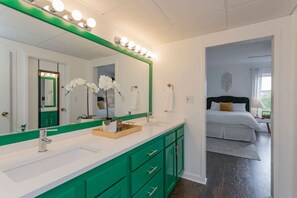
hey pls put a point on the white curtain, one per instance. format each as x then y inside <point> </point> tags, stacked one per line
<point>256,82</point>
<point>256,74</point>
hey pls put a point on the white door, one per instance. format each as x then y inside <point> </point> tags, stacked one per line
<point>64,109</point>
<point>5,96</point>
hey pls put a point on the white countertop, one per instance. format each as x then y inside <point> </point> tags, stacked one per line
<point>109,149</point>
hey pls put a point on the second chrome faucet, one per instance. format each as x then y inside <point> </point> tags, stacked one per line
<point>43,140</point>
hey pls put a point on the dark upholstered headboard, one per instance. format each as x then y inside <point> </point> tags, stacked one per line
<point>229,99</point>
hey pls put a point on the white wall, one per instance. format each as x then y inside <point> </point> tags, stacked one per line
<point>295,91</point>
<point>76,67</point>
<point>128,72</point>
<point>182,63</point>
<point>241,79</point>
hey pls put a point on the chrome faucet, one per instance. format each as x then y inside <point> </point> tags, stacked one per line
<point>148,116</point>
<point>43,140</point>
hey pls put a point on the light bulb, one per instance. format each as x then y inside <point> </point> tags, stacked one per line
<point>154,56</point>
<point>57,6</point>
<point>148,54</point>
<point>91,22</point>
<point>131,44</point>
<point>76,15</point>
<point>143,51</point>
<point>124,41</point>
<point>137,48</point>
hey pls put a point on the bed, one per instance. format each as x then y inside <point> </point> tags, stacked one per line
<point>240,126</point>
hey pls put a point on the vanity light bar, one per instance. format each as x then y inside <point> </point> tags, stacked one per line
<point>45,74</point>
<point>57,8</point>
<point>131,45</point>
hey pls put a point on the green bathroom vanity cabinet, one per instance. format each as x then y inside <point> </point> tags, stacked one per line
<point>48,119</point>
<point>150,170</point>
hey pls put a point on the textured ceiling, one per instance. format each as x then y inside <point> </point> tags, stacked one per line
<point>161,21</point>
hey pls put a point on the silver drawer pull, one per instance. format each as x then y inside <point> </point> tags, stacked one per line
<point>153,170</point>
<point>153,152</point>
<point>153,191</point>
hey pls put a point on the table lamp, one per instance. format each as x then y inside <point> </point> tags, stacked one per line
<point>257,103</point>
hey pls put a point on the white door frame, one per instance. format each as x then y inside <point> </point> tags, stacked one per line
<point>275,39</point>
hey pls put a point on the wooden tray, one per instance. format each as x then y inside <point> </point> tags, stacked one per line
<point>127,129</point>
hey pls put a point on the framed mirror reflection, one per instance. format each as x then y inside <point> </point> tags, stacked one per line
<point>48,100</point>
<point>37,64</point>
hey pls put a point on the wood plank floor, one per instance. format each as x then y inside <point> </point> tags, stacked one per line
<point>232,177</point>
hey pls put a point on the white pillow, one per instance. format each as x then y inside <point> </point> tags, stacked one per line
<point>239,107</point>
<point>215,106</point>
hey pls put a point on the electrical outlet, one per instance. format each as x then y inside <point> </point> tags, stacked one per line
<point>190,99</point>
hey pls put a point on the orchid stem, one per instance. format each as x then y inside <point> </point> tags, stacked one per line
<point>106,100</point>
<point>87,103</point>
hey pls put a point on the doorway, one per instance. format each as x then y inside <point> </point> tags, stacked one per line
<point>100,104</point>
<point>239,87</point>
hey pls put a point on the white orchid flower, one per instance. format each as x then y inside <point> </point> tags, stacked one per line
<point>105,83</point>
<point>92,87</point>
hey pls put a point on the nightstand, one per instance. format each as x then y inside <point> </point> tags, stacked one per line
<point>265,120</point>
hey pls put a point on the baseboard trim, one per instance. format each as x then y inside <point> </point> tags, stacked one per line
<point>194,178</point>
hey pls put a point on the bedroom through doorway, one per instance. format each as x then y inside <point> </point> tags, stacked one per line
<point>238,118</point>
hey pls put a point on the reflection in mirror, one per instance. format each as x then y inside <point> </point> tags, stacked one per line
<point>128,73</point>
<point>28,45</point>
<point>48,89</point>
<point>48,99</point>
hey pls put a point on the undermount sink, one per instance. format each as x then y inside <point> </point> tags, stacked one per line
<point>30,168</point>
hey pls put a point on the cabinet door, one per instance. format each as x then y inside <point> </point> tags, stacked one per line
<point>180,156</point>
<point>119,190</point>
<point>170,169</point>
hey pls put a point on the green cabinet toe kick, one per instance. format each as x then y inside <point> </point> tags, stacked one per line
<point>150,170</point>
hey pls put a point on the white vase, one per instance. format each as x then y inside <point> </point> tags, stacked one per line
<point>86,120</point>
<point>111,127</point>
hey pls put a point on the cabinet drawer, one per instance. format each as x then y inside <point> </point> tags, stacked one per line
<point>160,193</point>
<point>147,153</point>
<point>169,139</point>
<point>103,179</point>
<point>154,188</point>
<point>144,173</point>
<point>119,190</point>
<point>179,132</point>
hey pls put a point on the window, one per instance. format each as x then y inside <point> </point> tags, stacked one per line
<point>266,92</point>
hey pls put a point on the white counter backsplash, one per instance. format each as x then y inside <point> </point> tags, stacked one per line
<point>108,149</point>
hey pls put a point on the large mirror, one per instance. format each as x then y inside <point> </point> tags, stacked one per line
<point>38,63</point>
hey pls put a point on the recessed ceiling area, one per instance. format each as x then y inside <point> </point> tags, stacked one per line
<point>22,28</point>
<point>256,52</point>
<point>162,21</point>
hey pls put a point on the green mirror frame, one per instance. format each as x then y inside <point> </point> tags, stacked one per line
<point>25,8</point>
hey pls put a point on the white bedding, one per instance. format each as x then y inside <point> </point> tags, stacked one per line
<point>236,118</point>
